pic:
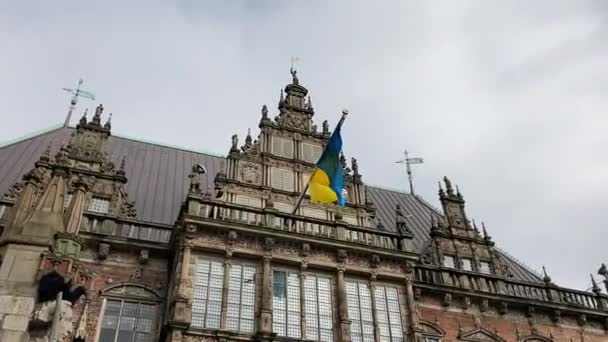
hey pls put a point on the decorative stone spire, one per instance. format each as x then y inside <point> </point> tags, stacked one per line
<point>458,194</point>
<point>486,236</point>
<point>121,168</point>
<point>343,160</point>
<point>475,227</point>
<point>108,124</point>
<point>83,119</point>
<point>441,192</point>
<point>546,277</point>
<point>448,185</point>
<point>281,99</point>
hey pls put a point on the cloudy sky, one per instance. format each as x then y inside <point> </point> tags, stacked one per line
<point>507,99</point>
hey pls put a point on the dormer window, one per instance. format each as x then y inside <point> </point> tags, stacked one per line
<point>99,205</point>
<point>484,267</point>
<point>448,261</point>
<point>466,265</point>
<point>282,147</point>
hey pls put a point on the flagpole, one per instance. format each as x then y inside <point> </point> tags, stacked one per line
<point>301,197</point>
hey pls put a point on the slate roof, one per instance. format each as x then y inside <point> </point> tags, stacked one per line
<point>158,182</point>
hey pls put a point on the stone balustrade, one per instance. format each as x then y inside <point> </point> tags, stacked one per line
<point>270,218</point>
<point>508,288</point>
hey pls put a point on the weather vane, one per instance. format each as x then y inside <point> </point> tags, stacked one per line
<point>408,166</point>
<point>76,94</point>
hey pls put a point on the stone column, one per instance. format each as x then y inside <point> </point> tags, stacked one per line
<point>183,311</point>
<point>412,313</point>
<point>343,307</point>
<point>73,214</point>
<point>265,324</point>
<point>372,297</point>
<point>226,285</point>
<point>303,301</point>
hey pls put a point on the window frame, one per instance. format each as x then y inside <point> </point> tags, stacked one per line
<point>286,307</point>
<point>466,261</point>
<point>312,147</point>
<point>319,329</point>
<point>241,295</point>
<point>448,257</point>
<point>206,290</point>
<point>92,204</point>
<point>483,269</point>
<point>275,172</point>
<point>283,142</point>
<point>153,299</point>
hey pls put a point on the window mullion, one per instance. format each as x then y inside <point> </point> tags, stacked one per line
<point>208,293</point>
<point>372,295</point>
<point>302,277</point>
<point>122,303</point>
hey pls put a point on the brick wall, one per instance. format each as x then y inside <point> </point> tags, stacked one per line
<point>514,325</point>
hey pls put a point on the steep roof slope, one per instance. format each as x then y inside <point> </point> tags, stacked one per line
<point>158,182</point>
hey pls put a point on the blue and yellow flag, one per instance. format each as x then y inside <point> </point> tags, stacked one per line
<point>327,179</point>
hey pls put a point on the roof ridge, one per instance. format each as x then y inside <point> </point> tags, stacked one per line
<point>175,147</point>
<point>11,142</point>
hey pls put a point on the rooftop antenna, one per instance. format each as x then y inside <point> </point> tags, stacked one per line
<point>76,94</point>
<point>408,166</point>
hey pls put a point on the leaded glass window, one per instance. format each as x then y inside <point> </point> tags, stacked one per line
<point>448,261</point>
<point>466,265</point>
<point>286,314</point>
<point>125,321</point>
<point>282,179</point>
<point>99,205</point>
<point>388,314</point>
<point>431,339</point>
<point>207,296</point>
<point>241,299</point>
<point>484,267</point>
<point>360,312</point>
<point>311,152</point>
<point>282,147</point>
<point>318,308</point>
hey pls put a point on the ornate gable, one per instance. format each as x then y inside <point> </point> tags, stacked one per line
<point>457,243</point>
<point>276,166</point>
<point>480,334</point>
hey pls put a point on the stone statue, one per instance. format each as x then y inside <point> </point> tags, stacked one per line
<point>235,142</point>
<point>294,77</point>
<point>264,112</point>
<point>325,127</point>
<point>354,166</point>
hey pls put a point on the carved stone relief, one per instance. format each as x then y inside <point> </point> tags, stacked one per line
<point>251,173</point>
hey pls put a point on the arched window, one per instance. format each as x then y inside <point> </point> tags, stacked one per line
<point>129,314</point>
<point>431,332</point>
<point>535,338</point>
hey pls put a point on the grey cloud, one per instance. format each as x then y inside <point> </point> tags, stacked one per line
<point>506,98</point>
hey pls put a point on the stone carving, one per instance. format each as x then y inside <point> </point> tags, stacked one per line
<point>581,319</point>
<point>144,256</point>
<point>467,302</point>
<point>325,126</point>
<point>417,293</point>
<point>556,316</point>
<point>447,299</point>
<point>235,142</point>
<point>250,173</point>
<point>103,251</point>
<point>341,255</point>
<point>268,244</point>
<point>374,260</point>
<point>305,250</point>
<point>136,275</point>
<point>503,308</point>
<point>484,305</point>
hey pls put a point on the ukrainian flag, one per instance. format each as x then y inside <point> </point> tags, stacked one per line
<point>327,179</point>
